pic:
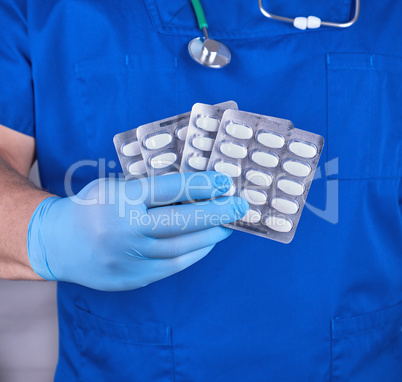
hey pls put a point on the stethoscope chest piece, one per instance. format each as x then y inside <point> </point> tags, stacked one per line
<point>208,52</point>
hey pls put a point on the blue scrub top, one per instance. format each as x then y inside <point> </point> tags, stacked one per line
<point>326,307</point>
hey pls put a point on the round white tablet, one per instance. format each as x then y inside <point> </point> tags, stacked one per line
<point>254,196</point>
<point>252,216</point>
<point>203,143</point>
<point>278,224</point>
<point>230,169</point>
<point>181,133</point>
<point>296,168</point>
<point>131,149</point>
<point>233,150</point>
<point>239,131</point>
<point>303,149</point>
<point>290,187</point>
<point>163,160</point>
<point>198,162</point>
<point>158,141</point>
<point>137,168</point>
<point>208,123</point>
<point>259,178</point>
<point>285,206</point>
<point>265,159</point>
<point>272,140</point>
<point>231,191</point>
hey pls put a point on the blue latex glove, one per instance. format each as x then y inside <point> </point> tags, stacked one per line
<point>116,235</point>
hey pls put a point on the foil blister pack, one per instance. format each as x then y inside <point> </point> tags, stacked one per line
<point>203,127</point>
<point>129,153</point>
<point>162,144</point>
<point>271,163</point>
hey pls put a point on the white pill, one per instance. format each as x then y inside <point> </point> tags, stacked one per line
<point>203,143</point>
<point>272,140</point>
<point>131,149</point>
<point>252,217</point>
<point>259,178</point>
<point>285,206</point>
<point>239,131</point>
<point>233,150</point>
<point>253,196</point>
<point>278,224</point>
<point>163,160</point>
<point>198,163</point>
<point>170,173</point>
<point>158,141</point>
<point>231,191</point>
<point>137,168</point>
<point>296,168</point>
<point>265,159</point>
<point>230,169</point>
<point>181,133</point>
<point>291,187</point>
<point>303,149</point>
<point>208,124</point>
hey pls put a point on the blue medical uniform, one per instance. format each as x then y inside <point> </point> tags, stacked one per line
<point>326,307</point>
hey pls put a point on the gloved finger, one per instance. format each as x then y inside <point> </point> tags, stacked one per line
<point>169,189</point>
<point>180,245</point>
<point>176,220</point>
<point>168,267</point>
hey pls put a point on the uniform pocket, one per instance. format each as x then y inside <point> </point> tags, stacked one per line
<point>364,114</point>
<point>114,351</point>
<point>368,348</point>
<point>119,93</point>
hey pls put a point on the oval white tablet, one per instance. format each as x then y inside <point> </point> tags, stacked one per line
<point>291,187</point>
<point>272,140</point>
<point>303,149</point>
<point>208,124</point>
<point>296,168</point>
<point>230,169</point>
<point>198,162</point>
<point>252,217</point>
<point>163,160</point>
<point>137,168</point>
<point>203,143</point>
<point>253,196</point>
<point>265,159</point>
<point>181,133</point>
<point>285,206</point>
<point>231,191</point>
<point>278,224</point>
<point>239,131</point>
<point>158,141</point>
<point>233,150</point>
<point>131,149</point>
<point>259,178</point>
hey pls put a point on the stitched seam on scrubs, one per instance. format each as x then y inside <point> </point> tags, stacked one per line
<point>101,326</point>
<point>370,120</point>
<point>153,14</point>
<point>172,353</point>
<point>379,328</point>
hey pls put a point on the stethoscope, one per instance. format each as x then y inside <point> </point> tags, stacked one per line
<point>215,54</point>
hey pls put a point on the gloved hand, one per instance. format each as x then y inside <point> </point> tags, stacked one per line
<point>116,235</point>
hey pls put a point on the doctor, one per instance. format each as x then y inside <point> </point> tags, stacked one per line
<point>327,307</point>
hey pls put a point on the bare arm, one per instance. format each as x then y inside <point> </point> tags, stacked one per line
<point>18,200</point>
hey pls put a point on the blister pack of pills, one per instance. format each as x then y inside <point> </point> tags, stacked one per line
<point>203,127</point>
<point>162,142</point>
<point>272,165</point>
<point>129,153</point>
